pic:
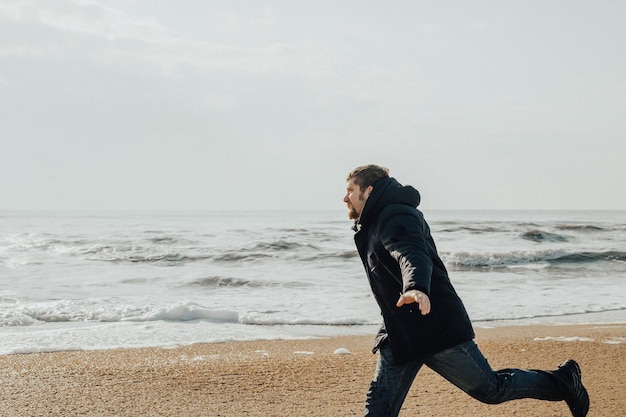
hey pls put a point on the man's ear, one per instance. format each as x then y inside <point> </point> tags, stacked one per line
<point>368,191</point>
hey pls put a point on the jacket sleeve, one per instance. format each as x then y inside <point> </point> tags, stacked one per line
<point>404,237</point>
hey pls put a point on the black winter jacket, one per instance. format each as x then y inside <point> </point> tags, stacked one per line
<point>399,254</point>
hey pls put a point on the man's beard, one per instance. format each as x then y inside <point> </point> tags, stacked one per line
<point>352,213</point>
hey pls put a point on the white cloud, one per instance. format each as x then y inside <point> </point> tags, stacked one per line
<point>117,38</point>
<point>80,16</point>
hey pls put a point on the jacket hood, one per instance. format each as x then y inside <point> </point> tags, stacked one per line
<point>388,191</point>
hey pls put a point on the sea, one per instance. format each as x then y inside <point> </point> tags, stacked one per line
<point>107,280</point>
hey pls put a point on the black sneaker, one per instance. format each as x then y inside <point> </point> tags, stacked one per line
<point>576,395</point>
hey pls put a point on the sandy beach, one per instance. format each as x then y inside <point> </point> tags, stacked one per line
<point>297,378</point>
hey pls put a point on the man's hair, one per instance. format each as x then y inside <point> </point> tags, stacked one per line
<point>367,175</point>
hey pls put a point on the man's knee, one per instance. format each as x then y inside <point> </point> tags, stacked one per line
<point>486,396</point>
<point>492,391</point>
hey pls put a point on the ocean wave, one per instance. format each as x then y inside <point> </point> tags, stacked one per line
<point>587,257</point>
<point>186,312</point>
<point>281,245</point>
<point>13,319</point>
<point>173,256</point>
<point>228,282</point>
<point>471,229</point>
<point>537,235</point>
<point>66,311</point>
<point>156,255</point>
<point>580,227</point>
<point>325,256</point>
<point>163,240</point>
<point>139,254</point>
<point>506,227</point>
<point>239,256</point>
<point>218,282</point>
<point>279,249</point>
<point>464,260</point>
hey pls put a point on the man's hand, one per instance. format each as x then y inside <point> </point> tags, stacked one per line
<point>415,296</point>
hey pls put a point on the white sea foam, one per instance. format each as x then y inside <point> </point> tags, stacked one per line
<point>186,312</point>
<point>615,340</point>
<point>564,339</point>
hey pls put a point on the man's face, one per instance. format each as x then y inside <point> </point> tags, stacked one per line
<point>355,199</point>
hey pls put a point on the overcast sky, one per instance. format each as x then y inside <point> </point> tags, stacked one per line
<point>198,104</point>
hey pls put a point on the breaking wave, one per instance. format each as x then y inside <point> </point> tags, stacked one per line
<point>228,282</point>
<point>462,260</point>
<point>536,235</point>
<point>180,312</point>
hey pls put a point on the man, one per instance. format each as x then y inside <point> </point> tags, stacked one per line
<point>424,320</point>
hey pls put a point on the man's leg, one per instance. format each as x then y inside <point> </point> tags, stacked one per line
<point>390,385</point>
<point>466,367</point>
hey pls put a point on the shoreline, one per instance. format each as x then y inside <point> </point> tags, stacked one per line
<point>61,337</point>
<point>303,377</point>
<point>612,316</point>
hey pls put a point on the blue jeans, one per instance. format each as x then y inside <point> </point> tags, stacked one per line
<point>464,366</point>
